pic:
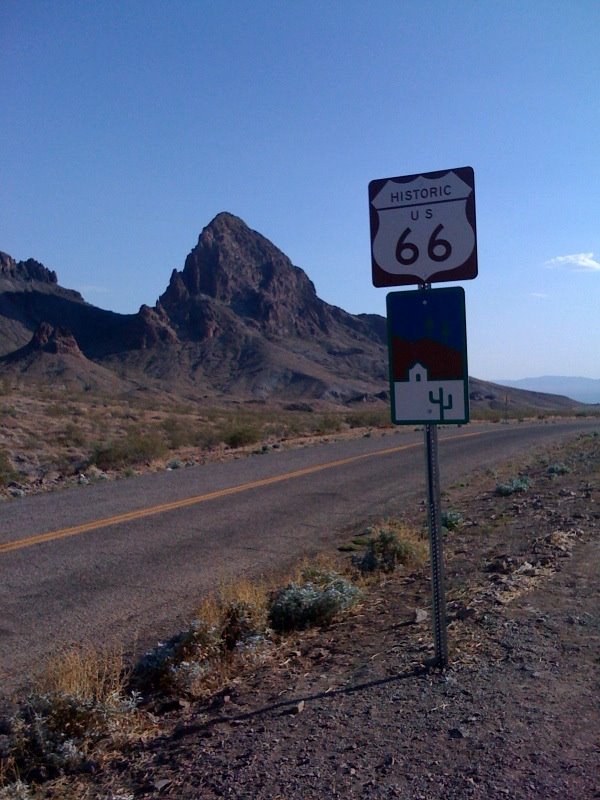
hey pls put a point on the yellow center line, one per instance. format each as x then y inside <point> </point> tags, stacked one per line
<point>162,508</point>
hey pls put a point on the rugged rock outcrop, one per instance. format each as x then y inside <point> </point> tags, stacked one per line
<point>53,357</point>
<point>54,340</point>
<point>30,270</point>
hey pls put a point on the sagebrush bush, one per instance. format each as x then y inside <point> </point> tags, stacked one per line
<point>314,601</point>
<point>179,664</point>
<point>558,469</point>
<point>16,791</point>
<point>452,520</point>
<point>514,486</point>
<point>228,622</point>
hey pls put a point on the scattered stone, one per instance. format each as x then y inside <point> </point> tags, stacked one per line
<point>420,616</point>
<point>527,569</point>
<point>502,565</point>
<point>298,708</point>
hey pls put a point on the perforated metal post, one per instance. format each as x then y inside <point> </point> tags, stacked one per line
<point>435,539</point>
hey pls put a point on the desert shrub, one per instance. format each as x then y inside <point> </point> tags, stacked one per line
<point>178,432</point>
<point>240,611</point>
<point>57,410</point>
<point>514,486</point>
<point>275,428</point>
<point>558,469</point>
<point>178,665</point>
<point>134,448</point>
<point>192,662</point>
<point>315,600</point>
<point>79,701</point>
<point>393,545</point>
<point>72,435</point>
<point>16,791</point>
<point>326,424</point>
<point>369,418</point>
<point>452,520</point>
<point>7,473</point>
<point>240,434</point>
<point>206,437</point>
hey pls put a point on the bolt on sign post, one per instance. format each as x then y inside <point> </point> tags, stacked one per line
<point>423,231</point>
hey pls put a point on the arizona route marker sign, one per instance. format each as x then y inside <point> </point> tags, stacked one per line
<point>423,228</point>
<point>427,345</point>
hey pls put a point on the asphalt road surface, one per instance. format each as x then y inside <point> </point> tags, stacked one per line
<point>128,560</point>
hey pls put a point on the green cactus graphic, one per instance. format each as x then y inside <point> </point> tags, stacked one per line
<point>439,401</point>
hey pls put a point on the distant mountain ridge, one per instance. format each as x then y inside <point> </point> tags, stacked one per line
<point>239,322</point>
<point>585,390</point>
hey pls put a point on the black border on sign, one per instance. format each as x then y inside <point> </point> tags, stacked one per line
<point>466,271</point>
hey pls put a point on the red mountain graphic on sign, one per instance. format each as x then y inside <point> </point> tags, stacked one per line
<point>442,363</point>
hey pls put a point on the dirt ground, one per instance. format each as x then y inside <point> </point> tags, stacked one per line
<point>350,710</point>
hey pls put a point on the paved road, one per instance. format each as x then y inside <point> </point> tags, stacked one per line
<point>129,559</point>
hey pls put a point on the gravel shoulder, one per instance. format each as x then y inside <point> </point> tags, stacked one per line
<point>349,711</point>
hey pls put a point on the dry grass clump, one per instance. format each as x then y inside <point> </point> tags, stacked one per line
<point>87,673</point>
<point>229,626</point>
<point>390,545</point>
<point>79,701</point>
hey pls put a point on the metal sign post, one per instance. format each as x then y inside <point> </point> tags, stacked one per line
<point>435,540</point>
<point>422,231</point>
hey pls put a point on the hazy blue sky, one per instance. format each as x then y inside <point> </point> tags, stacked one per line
<point>127,126</point>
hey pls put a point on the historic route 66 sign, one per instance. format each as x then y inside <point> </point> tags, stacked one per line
<point>423,228</point>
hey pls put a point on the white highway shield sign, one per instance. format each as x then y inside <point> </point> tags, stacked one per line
<point>423,228</point>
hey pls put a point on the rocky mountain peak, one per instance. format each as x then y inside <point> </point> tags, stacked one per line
<point>29,270</point>
<point>238,267</point>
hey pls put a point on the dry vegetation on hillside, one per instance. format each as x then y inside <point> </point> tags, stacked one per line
<point>50,438</point>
